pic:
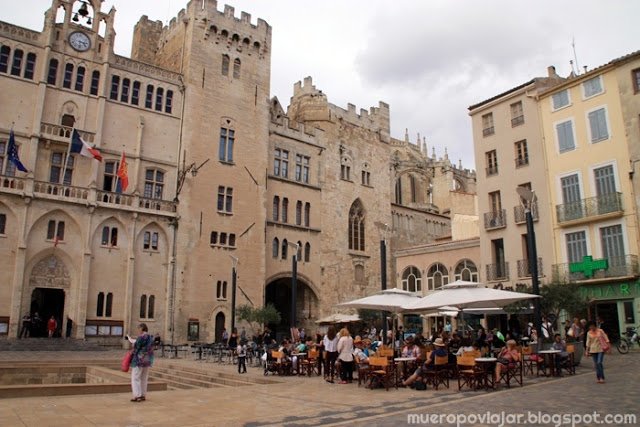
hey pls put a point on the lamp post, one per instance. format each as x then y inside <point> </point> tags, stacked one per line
<point>384,228</point>
<point>294,283</point>
<point>234,277</point>
<point>529,198</point>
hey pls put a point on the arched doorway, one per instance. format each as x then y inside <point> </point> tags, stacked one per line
<point>278,293</point>
<point>48,285</point>
<point>47,303</point>
<point>219,327</point>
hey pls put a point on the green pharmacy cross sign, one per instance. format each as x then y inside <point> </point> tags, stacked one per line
<point>588,266</point>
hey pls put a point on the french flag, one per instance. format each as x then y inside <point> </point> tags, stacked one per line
<point>78,145</point>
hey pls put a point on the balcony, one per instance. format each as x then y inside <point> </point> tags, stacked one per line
<point>517,121</point>
<point>492,170</point>
<point>12,184</point>
<point>488,131</point>
<point>63,133</point>
<point>585,209</point>
<point>522,162</point>
<point>497,272</point>
<point>520,215</point>
<point>495,220</point>
<point>524,268</point>
<point>622,266</point>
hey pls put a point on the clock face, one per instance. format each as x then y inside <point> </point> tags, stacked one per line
<point>79,41</point>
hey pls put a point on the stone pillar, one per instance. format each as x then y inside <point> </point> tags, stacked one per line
<point>80,291</point>
<point>18,275</point>
<point>128,294</point>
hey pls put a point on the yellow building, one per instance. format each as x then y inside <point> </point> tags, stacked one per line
<point>591,196</point>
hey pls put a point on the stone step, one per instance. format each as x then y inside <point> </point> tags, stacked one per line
<point>179,377</point>
<point>205,377</point>
<point>175,382</point>
<point>49,344</point>
<point>233,377</point>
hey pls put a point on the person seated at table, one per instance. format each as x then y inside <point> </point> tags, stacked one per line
<point>563,356</point>
<point>419,339</point>
<point>410,349</point>
<point>359,353</point>
<point>507,358</point>
<point>467,346</point>
<point>440,350</point>
<point>454,343</point>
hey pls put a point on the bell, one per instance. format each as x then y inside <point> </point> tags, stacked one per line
<point>75,17</point>
<point>88,21</point>
<point>84,11</point>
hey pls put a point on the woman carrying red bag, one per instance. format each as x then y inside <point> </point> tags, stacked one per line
<point>597,345</point>
<point>141,361</point>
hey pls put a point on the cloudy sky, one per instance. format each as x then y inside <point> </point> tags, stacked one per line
<point>429,59</point>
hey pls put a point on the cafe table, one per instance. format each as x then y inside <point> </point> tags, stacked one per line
<point>550,355</point>
<point>488,365</point>
<point>403,361</point>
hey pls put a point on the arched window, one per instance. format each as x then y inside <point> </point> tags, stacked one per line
<point>356,226</point>
<point>307,214</point>
<point>285,210</point>
<point>276,208</point>
<point>80,79</point>
<point>151,311</point>
<point>412,279</point>
<point>437,276</point>
<point>307,252</point>
<point>299,213</point>
<point>143,306</point>
<point>100,305</point>
<point>300,249</point>
<point>68,75</point>
<point>16,66</point>
<point>52,75</point>
<point>124,96</point>
<point>168,104</point>
<point>225,65</point>
<point>236,68</point>
<point>115,87</point>
<point>95,82</point>
<point>135,93</point>
<point>5,52</point>
<point>108,305</point>
<point>159,97</point>
<point>412,185</point>
<point>466,270</point>
<point>30,67</point>
<point>275,248</point>
<point>398,197</point>
<point>285,246</point>
<point>148,101</point>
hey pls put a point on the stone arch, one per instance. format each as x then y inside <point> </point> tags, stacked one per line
<point>145,227</point>
<point>123,238</point>
<point>69,107</point>
<point>278,292</point>
<point>68,218</point>
<point>50,268</point>
<point>11,213</point>
<point>287,274</point>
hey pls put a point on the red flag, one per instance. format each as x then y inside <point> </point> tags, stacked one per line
<point>123,173</point>
<point>55,241</point>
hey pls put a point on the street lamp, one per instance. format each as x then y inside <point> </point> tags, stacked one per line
<point>529,198</point>
<point>294,283</point>
<point>384,228</point>
<point>234,277</point>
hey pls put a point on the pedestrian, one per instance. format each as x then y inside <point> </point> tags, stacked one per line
<point>141,361</point>
<point>26,326</point>
<point>225,336</point>
<point>345,355</point>
<point>597,346</point>
<point>242,358</point>
<point>330,342</point>
<point>69,329</point>
<point>233,339</point>
<point>52,325</point>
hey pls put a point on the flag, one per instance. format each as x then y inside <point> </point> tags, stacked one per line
<point>78,145</point>
<point>123,174</point>
<point>56,241</point>
<point>12,153</point>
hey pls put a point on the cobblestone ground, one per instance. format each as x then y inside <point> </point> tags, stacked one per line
<point>297,401</point>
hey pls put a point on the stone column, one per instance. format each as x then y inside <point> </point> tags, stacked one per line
<point>18,274</point>
<point>128,294</point>
<point>79,292</point>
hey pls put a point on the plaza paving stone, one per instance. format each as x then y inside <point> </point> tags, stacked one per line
<point>297,401</point>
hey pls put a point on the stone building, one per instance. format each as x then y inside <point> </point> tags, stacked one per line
<point>218,172</point>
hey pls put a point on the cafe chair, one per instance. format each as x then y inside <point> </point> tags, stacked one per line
<point>569,364</point>
<point>469,374</point>
<point>439,374</point>
<point>380,372</point>
<point>309,365</point>
<point>513,372</point>
<point>283,366</point>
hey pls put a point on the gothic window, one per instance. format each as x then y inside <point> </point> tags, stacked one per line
<point>153,184</point>
<point>100,305</point>
<point>30,67</point>
<point>109,305</point>
<point>16,66</point>
<point>5,52</point>
<point>68,75</point>
<point>412,279</point>
<point>412,185</point>
<point>299,213</point>
<point>236,68</point>
<point>115,87</point>
<point>285,210</point>
<point>143,306</point>
<point>275,248</point>
<point>80,79</point>
<point>55,230</point>
<point>225,65</point>
<point>135,93</point>
<point>356,226</point>
<point>150,240</point>
<point>126,85</point>
<point>168,104</point>
<point>53,71</point>
<point>285,246</point>
<point>437,276</point>
<point>225,149</point>
<point>307,252</point>
<point>148,100</point>
<point>159,98</point>
<point>398,194</point>
<point>307,214</point>
<point>276,208</point>
<point>95,82</point>
<point>109,236</point>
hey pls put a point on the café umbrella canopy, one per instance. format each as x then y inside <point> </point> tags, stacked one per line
<point>392,300</point>
<point>339,318</point>
<point>465,295</point>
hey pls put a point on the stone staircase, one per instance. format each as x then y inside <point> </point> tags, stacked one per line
<point>49,344</point>
<point>178,376</point>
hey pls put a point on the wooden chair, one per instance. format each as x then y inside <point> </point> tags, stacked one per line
<point>363,371</point>
<point>386,352</point>
<point>468,372</point>
<point>474,353</point>
<point>440,372</point>
<point>528,360</point>
<point>284,366</point>
<point>380,372</point>
<point>309,365</point>
<point>512,372</point>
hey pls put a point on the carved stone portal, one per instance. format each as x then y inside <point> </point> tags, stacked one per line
<point>50,272</point>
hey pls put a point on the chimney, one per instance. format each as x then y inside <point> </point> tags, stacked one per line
<point>551,71</point>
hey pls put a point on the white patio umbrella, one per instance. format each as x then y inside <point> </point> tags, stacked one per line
<point>393,300</point>
<point>339,318</point>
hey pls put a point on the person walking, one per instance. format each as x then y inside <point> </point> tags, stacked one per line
<point>345,355</point>
<point>26,326</point>
<point>141,361</point>
<point>242,358</point>
<point>330,342</point>
<point>52,325</point>
<point>597,345</point>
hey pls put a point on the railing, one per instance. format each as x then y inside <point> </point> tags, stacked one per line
<point>11,183</point>
<point>497,271</point>
<point>593,206</point>
<point>60,190</point>
<point>496,219</point>
<point>524,268</point>
<point>520,215</point>
<point>111,198</point>
<point>157,204</point>
<point>517,121</point>
<point>488,131</point>
<point>622,266</point>
<point>59,131</point>
<point>492,170</point>
<point>522,161</point>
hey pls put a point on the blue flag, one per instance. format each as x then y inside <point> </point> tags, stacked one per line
<point>12,153</point>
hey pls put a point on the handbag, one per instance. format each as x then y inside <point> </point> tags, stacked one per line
<point>126,361</point>
<point>603,343</point>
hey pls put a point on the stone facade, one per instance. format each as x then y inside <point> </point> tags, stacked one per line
<point>204,145</point>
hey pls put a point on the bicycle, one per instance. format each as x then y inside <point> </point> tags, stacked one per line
<point>631,337</point>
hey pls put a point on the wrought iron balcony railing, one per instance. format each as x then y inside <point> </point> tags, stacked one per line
<point>622,266</point>
<point>492,170</point>
<point>590,207</point>
<point>522,161</point>
<point>520,215</point>
<point>497,272</point>
<point>524,268</point>
<point>493,220</point>
<point>516,121</point>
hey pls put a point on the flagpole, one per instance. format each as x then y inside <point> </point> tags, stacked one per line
<point>66,158</point>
